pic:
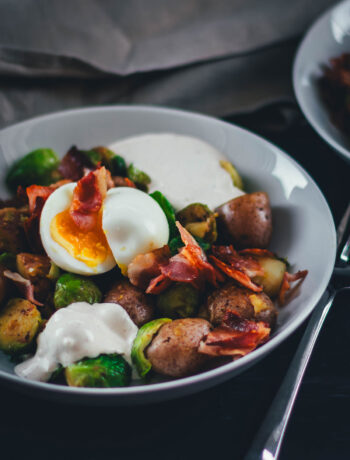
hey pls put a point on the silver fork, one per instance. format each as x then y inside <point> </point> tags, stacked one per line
<point>268,441</point>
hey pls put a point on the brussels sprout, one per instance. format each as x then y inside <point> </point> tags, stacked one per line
<point>181,300</point>
<point>140,178</point>
<point>115,163</point>
<point>11,230</point>
<point>105,371</point>
<point>32,266</point>
<point>168,211</point>
<point>143,339</point>
<point>74,288</point>
<point>236,178</point>
<point>36,167</point>
<point>20,322</point>
<point>199,221</point>
<point>273,272</point>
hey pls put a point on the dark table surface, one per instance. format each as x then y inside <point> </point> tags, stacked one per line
<point>222,421</point>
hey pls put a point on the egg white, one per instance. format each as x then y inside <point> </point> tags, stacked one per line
<point>57,202</point>
<point>134,223</point>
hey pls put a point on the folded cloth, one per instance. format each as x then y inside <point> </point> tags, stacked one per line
<point>218,57</point>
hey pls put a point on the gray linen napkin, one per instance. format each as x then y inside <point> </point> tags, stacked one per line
<point>218,57</point>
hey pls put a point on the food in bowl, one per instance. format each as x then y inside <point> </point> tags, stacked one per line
<point>144,258</point>
<point>334,86</point>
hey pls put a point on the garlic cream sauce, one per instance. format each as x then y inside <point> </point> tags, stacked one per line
<point>185,169</point>
<point>78,331</point>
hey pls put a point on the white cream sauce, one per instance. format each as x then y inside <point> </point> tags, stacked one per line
<point>78,331</point>
<point>185,169</point>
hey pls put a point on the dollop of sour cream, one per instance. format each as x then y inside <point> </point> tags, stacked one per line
<point>78,331</point>
<point>185,169</point>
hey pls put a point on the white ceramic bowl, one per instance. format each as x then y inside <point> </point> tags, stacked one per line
<point>303,224</point>
<point>328,37</point>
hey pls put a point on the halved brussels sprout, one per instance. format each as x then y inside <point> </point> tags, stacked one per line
<point>199,220</point>
<point>20,322</point>
<point>11,230</point>
<point>72,288</point>
<point>236,178</point>
<point>32,266</point>
<point>143,339</point>
<point>180,300</point>
<point>168,211</point>
<point>140,178</point>
<point>105,371</point>
<point>37,167</point>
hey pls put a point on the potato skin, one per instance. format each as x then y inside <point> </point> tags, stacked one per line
<point>240,300</point>
<point>138,305</point>
<point>246,220</point>
<point>174,350</point>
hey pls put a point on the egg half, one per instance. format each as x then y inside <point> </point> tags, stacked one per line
<point>130,223</point>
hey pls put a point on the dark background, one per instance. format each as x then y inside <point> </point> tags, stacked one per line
<point>220,422</point>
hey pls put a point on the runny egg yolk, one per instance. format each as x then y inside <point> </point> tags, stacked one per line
<point>89,247</point>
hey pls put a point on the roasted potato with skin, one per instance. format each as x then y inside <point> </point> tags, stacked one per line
<point>137,304</point>
<point>11,230</point>
<point>174,350</point>
<point>246,220</point>
<point>20,322</point>
<point>246,303</point>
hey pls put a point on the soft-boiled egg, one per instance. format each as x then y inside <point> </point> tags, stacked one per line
<point>130,223</point>
<point>134,223</point>
<point>85,253</point>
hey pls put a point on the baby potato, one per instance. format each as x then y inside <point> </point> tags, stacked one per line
<point>174,350</point>
<point>271,280</point>
<point>246,220</point>
<point>137,304</point>
<point>247,304</point>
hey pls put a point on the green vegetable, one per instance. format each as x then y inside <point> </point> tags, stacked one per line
<point>140,178</point>
<point>74,288</point>
<point>105,371</point>
<point>37,167</point>
<point>115,163</point>
<point>8,260</point>
<point>20,322</point>
<point>143,339</point>
<point>181,300</point>
<point>236,178</point>
<point>176,243</point>
<point>12,238</point>
<point>199,220</point>
<point>168,211</point>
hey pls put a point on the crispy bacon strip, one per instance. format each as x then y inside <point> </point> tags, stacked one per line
<point>88,197</point>
<point>190,265</point>
<point>257,252</point>
<point>146,267</point>
<point>244,263</point>
<point>42,192</point>
<point>23,285</point>
<point>235,337</point>
<point>237,275</point>
<point>287,279</point>
<point>74,164</point>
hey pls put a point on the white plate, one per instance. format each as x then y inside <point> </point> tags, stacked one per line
<point>328,37</point>
<point>303,224</point>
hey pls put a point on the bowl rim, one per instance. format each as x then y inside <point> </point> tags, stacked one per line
<point>298,59</point>
<point>209,375</point>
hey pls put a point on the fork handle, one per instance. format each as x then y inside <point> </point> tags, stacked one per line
<point>268,441</point>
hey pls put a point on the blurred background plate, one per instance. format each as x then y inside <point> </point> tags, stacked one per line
<point>302,221</point>
<point>329,37</point>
